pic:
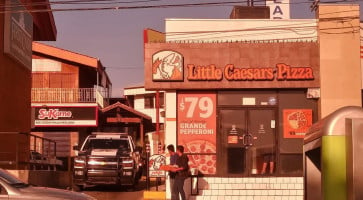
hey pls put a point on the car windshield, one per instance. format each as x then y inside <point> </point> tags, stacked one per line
<point>106,144</point>
<point>10,179</point>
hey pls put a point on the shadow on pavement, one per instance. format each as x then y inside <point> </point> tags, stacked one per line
<point>141,186</point>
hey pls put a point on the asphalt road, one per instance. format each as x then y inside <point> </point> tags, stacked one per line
<point>118,192</point>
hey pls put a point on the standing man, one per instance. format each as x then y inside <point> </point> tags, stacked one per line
<point>173,158</point>
<point>181,172</point>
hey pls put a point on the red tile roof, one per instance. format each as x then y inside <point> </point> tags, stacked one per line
<point>70,56</point>
<point>66,55</point>
<point>127,108</point>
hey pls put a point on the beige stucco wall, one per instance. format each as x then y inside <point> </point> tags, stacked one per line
<point>139,102</point>
<point>170,126</point>
<point>340,73</point>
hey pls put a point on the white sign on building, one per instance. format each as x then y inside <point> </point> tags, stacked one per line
<point>18,33</point>
<point>279,9</point>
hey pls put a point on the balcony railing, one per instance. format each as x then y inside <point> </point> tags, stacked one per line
<point>68,95</point>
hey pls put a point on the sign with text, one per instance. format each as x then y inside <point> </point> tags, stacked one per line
<point>279,9</point>
<point>241,65</point>
<point>282,72</point>
<point>57,116</point>
<point>297,122</point>
<point>197,129</point>
<point>18,33</point>
<point>156,162</point>
<point>197,122</point>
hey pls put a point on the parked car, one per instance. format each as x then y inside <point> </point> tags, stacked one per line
<point>11,188</point>
<point>107,158</point>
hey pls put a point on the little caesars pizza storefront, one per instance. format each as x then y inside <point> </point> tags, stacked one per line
<point>240,109</point>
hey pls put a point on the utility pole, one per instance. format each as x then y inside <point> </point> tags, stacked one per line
<point>314,6</point>
<point>249,2</point>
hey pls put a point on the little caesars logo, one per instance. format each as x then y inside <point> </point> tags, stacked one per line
<point>167,66</point>
<point>53,114</point>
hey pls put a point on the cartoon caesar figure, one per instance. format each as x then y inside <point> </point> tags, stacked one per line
<point>167,66</point>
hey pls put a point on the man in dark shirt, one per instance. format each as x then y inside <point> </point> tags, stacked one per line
<point>181,173</point>
<point>173,158</point>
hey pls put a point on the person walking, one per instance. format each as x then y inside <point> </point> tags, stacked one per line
<point>181,170</point>
<point>173,158</point>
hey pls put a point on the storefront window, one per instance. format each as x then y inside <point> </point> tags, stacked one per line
<point>291,164</point>
<point>245,133</point>
<point>296,111</point>
<point>247,98</point>
<point>256,138</point>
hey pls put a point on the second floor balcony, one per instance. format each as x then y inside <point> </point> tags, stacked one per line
<point>70,95</point>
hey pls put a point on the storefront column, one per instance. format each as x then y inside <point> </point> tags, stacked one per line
<point>170,118</point>
<point>170,126</point>
<point>340,65</point>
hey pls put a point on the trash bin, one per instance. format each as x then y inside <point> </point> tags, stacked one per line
<point>331,149</point>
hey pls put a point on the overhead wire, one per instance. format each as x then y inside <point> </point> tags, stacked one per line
<point>117,7</point>
<point>83,2</point>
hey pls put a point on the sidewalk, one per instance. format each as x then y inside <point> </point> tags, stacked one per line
<point>156,191</point>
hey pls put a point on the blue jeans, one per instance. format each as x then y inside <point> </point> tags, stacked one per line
<point>178,188</point>
<point>173,193</point>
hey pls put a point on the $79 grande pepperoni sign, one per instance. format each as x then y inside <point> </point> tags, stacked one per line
<point>197,122</point>
<point>197,129</point>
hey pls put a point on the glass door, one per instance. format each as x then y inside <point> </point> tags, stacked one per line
<point>261,125</point>
<point>232,154</point>
<point>247,141</point>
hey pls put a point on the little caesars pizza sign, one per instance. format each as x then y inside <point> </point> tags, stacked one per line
<point>231,73</point>
<point>190,66</point>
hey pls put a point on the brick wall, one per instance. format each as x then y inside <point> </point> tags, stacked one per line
<point>269,188</point>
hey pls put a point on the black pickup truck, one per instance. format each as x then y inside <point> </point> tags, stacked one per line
<point>107,158</point>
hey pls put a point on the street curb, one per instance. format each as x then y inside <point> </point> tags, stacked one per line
<point>154,195</point>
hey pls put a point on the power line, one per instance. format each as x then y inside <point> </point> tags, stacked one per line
<point>116,7</point>
<point>125,68</point>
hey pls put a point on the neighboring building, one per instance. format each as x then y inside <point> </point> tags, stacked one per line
<point>145,102</point>
<point>121,118</point>
<point>68,90</point>
<point>17,32</point>
<point>241,94</point>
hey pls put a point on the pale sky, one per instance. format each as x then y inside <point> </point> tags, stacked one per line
<point>116,36</point>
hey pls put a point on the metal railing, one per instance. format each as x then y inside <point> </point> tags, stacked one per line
<point>64,95</point>
<point>43,153</point>
<point>39,153</point>
<point>44,146</point>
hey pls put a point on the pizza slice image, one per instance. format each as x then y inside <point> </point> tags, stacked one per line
<point>206,164</point>
<point>297,120</point>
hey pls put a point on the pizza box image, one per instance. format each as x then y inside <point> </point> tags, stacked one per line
<point>167,167</point>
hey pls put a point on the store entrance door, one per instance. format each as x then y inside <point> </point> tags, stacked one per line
<point>247,142</point>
